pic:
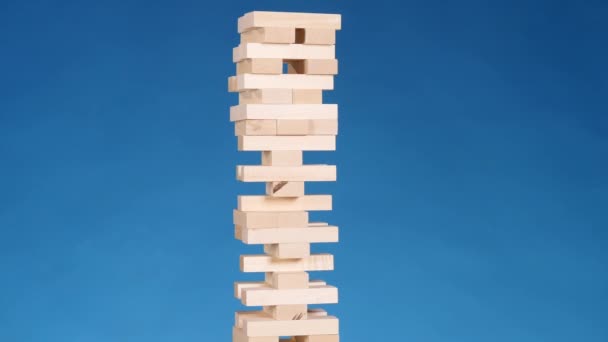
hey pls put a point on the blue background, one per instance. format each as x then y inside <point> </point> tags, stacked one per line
<point>473,170</point>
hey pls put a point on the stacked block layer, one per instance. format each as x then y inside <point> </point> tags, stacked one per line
<point>283,64</point>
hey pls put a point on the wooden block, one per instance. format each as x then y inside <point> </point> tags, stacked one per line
<point>282,158</point>
<point>303,173</point>
<point>255,127</point>
<point>232,84</point>
<point>270,219</point>
<point>285,189</point>
<point>239,286</point>
<point>287,143</point>
<point>278,35</point>
<point>267,326</point>
<point>288,280</point>
<point>320,67</point>
<point>307,127</point>
<point>268,296</point>
<point>290,235</point>
<point>272,66</point>
<point>318,338</point>
<point>240,317</point>
<point>287,312</point>
<point>267,203</point>
<point>283,111</point>
<point>282,51</point>
<point>265,263</point>
<point>284,81</point>
<point>238,232</point>
<point>287,19</point>
<point>317,36</point>
<point>238,335</point>
<point>288,250</point>
<point>266,96</point>
<point>307,96</point>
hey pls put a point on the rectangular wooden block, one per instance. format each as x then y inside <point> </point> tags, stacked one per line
<point>283,81</point>
<point>265,263</point>
<point>239,286</point>
<point>267,203</point>
<point>282,158</point>
<point>303,173</point>
<point>283,111</point>
<point>271,66</point>
<point>318,338</point>
<point>287,312</point>
<point>266,96</point>
<point>240,317</point>
<point>287,143</point>
<point>307,127</point>
<point>288,280</point>
<point>317,36</point>
<point>282,51</point>
<point>267,326</point>
<point>307,96</point>
<point>232,84</point>
<point>288,250</point>
<point>269,296</point>
<point>270,219</point>
<point>255,127</point>
<point>238,335</point>
<point>321,67</point>
<point>288,19</point>
<point>322,234</point>
<point>285,189</point>
<point>277,35</point>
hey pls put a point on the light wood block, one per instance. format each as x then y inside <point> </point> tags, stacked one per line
<point>271,66</point>
<point>283,111</point>
<point>282,158</point>
<point>232,84</point>
<point>282,51</point>
<point>324,234</point>
<point>320,67</point>
<point>287,143</point>
<point>307,127</point>
<point>277,35</point>
<point>283,19</point>
<point>303,173</point>
<point>318,338</point>
<point>255,127</point>
<point>287,312</point>
<point>241,316</point>
<point>238,335</point>
<point>317,36</point>
<point>267,326</point>
<point>270,219</point>
<point>269,296</point>
<point>289,280</point>
<point>284,81</point>
<point>265,263</point>
<point>239,286</point>
<point>288,250</point>
<point>266,96</point>
<point>285,189</point>
<point>267,203</point>
<point>307,96</point>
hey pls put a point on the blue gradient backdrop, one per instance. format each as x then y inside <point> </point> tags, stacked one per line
<point>473,170</point>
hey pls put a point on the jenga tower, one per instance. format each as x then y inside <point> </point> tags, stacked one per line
<point>283,64</point>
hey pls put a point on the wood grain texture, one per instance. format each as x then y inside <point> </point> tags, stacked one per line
<point>265,263</point>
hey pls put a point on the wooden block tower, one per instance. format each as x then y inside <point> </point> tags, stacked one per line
<point>283,64</point>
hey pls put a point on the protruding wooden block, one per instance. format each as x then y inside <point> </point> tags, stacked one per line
<point>272,66</point>
<point>307,96</point>
<point>284,81</point>
<point>316,36</point>
<point>269,296</point>
<point>285,189</point>
<point>318,338</point>
<point>266,96</point>
<point>288,280</point>
<point>232,84</point>
<point>270,219</point>
<point>307,127</point>
<point>255,127</point>
<point>239,286</point>
<point>287,143</point>
<point>240,317</point>
<point>302,173</point>
<point>283,51</point>
<point>283,19</point>
<point>282,158</point>
<point>267,203</point>
<point>277,35</point>
<point>283,111</point>
<point>265,263</point>
<point>238,335</point>
<point>287,312</point>
<point>323,234</point>
<point>288,250</point>
<point>267,326</point>
<point>320,67</point>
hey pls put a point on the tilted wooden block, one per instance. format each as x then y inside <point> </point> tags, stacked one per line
<point>288,250</point>
<point>285,81</point>
<point>277,35</point>
<point>282,19</point>
<point>272,66</point>
<point>307,96</point>
<point>285,189</point>
<point>270,219</point>
<point>283,51</point>
<point>317,36</point>
<point>287,312</point>
<point>289,280</point>
<point>287,143</point>
<point>267,326</point>
<point>307,127</point>
<point>240,285</point>
<point>266,96</point>
<point>267,203</point>
<point>282,158</point>
<point>283,111</point>
<point>290,235</point>
<point>303,173</point>
<point>269,296</point>
<point>265,263</point>
<point>318,338</point>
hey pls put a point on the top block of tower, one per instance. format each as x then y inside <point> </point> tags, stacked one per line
<point>293,20</point>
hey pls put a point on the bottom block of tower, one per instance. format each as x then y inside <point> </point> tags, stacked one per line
<point>264,325</point>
